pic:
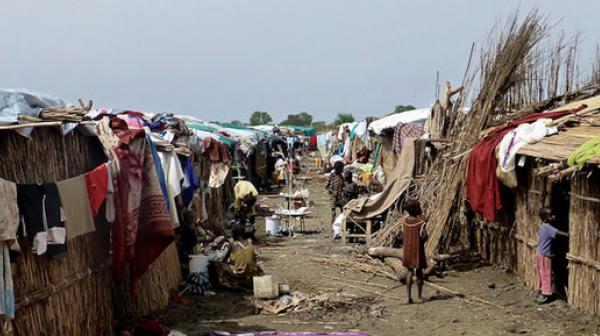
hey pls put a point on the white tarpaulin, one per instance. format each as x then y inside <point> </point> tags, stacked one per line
<point>20,101</point>
<point>392,120</point>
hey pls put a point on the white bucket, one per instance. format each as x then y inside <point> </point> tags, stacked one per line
<point>198,263</point>
<point>273,225</point>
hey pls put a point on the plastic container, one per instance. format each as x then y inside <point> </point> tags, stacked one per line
<point>265,287</point>
<point>198,263</point>
<point>272,225</point>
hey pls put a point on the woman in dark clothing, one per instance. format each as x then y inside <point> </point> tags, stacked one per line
<point>414,237</point>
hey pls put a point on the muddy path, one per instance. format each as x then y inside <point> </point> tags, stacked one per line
<point>375,305</point>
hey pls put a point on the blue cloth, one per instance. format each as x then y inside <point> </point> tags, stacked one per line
<point>546,233</point>
<point>159,171</point>
<point>188,194</point>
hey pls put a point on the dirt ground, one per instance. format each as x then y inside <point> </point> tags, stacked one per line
<point>378,306</point>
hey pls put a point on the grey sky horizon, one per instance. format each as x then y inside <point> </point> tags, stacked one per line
<point>222,60</point>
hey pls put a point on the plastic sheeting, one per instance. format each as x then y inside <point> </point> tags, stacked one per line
<point>392,120</point>
<point>26,102</point>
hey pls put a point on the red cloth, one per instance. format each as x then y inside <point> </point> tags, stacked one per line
<point>483,189</point>
<point>413,245</point>
<point>96,182</point>
<point>143,228</point>
<point>543,266</point>
<point>313,140</point>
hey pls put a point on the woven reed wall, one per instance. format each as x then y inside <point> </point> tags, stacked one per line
<point>496,244</point>
<point>84,307</point>
<point>163,275</point>
<point>529,202</point>
<point>584,241</point>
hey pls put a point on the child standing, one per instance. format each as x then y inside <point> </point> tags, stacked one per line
<point>350,188</point>
<point>335,187</point>
<point>546,235</point>
<point>414,236</point>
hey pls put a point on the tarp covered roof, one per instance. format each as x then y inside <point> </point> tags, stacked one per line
<point>392,120</point>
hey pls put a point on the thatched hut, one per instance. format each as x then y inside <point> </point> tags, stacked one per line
<point>573,194</point>
<point>71,295</point>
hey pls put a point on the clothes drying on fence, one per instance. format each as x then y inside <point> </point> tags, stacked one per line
<point>97,186</point>
<point>589,150</point>
<point>78,212</point>
<point>9,211</point>
<point>483,189</point>
<point>42,220</point>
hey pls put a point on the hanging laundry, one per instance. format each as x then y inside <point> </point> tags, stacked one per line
<point>190,174</point>
<point>9,211</point>
<point>7,294</point>
<point>483,189</point>
<point>527,133</point>
<point>589,150</point>
<point>174,177</point>
<point>97,185</point>
<point>109,202</point>
<point>216,151</point>
<point>143,227</point>
<point>42,220</point>
<point>159,170</point>
<point>78,213</point>
<point>218,174</point>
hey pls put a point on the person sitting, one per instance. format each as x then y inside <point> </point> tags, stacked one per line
<point>244,205</point>
<point>414,236</point>
<point>544,255</point>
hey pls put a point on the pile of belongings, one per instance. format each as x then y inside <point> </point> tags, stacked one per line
<point>235,262</point>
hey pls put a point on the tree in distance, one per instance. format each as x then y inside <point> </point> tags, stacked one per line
<point>320,126</point>
<point>342,118</point>
<point>300,119</point>
<point>260,118</point>
<point>403,108</point>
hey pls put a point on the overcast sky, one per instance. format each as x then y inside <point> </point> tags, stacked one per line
<point>221,60</point>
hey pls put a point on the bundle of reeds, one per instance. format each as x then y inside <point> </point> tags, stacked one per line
<point>66,113</point>
<point>502,68</point>
<point>53,296</point>
<point>584,247</point>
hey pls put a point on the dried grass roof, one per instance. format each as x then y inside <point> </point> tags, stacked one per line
<point>559,147</point>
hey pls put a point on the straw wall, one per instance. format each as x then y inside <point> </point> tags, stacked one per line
<point>68,296</point>
<point>584,241</point>
<point>529,202</point>
<point>163,276</point>
<point>495,243</point>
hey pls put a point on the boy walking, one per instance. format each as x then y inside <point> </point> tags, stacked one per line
<point>546,235</point>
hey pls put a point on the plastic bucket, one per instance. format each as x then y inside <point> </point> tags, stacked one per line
<point>198,263</point>
<point>272,225</point>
